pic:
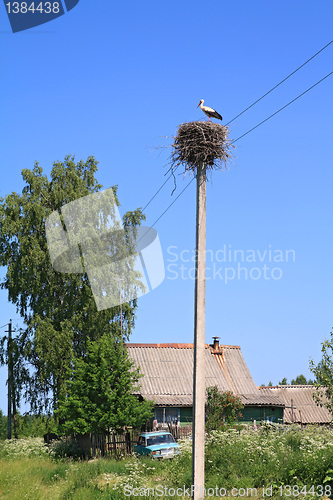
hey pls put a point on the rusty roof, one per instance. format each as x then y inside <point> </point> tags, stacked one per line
<point>168,373</point>
<point>305,410</point>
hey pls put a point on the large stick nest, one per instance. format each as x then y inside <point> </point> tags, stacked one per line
<point>201,142</point>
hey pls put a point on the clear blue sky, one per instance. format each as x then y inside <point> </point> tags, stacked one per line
<point>115,79</point>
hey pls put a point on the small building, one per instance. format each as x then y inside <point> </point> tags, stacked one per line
<point>300,406</point>
<point>167,380</point>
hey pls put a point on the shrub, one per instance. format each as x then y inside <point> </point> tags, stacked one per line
<point>65,448</point>
<point>221,407</point>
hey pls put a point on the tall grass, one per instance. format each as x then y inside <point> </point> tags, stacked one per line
<point>234,459</point>
<point>29,470</point>
<point>249,459</point>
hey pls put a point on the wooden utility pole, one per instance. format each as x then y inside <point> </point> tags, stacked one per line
<point>199,385</point>
<point>10,380</point>
<point>200,146</point>
<point>121,306</point>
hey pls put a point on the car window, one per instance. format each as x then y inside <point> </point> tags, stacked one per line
<point>163,438</point>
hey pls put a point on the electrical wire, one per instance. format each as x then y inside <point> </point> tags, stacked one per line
<point>283,107</point>
<point>174,201</point>
<point>165,211</point>
<point>282,81</point>
<point>151,199</point>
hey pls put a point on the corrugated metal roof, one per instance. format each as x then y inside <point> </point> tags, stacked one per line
<point>167,400</point>
<point>168,373</point>
<point>262,400</point>
<point>305,409</point>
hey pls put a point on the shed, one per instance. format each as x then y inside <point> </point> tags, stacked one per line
<point>300,407</point>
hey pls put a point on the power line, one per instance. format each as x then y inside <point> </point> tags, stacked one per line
<point>238,138</point>
<point>174,201</point>
<point>165,211</point>
<point>282,81</point>
<point>15,319</point>
<point>283,107</point>
<point>151,199</point>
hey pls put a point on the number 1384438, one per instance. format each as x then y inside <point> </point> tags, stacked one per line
<point>33,7</point>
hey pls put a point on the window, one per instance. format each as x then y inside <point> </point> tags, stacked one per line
<point>166,414</point>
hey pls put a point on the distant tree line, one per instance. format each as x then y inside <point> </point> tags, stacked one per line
<point>299,380</point>
<point>29,425</point>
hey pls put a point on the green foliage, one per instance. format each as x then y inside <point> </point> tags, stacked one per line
<point>59,310</point>
<point>65,448</point>
<point>221,407</point>
<point>100,391</point>
<point>3,426</point>
<point>33,426</point>
<point>323,373</point>
<point>299,380</point>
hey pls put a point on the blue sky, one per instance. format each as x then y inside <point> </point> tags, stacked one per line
<point>115,79</point>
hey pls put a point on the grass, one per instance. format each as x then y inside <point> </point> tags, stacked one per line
<point>274,459</point>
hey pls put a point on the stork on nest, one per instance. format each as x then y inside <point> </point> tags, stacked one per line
<point>201,143</point>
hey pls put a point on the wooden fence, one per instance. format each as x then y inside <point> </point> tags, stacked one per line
<point>103,445</point>
<point>118,445</point>
<point>180,431</point>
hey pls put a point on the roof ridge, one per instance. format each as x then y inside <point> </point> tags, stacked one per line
<point>283,386</point>
<point>177,345</point>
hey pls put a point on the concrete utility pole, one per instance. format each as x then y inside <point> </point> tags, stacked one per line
<point>199,385</point>
<point>10,380</point>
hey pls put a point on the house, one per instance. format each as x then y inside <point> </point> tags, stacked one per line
<point>300,407</point>
<point>168,380</point>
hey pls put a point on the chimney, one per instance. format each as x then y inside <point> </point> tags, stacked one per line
<point>216,345</point>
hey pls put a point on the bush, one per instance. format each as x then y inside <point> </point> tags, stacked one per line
<point>65,448</point>
<point>222,407</point>
<point>28,447</point>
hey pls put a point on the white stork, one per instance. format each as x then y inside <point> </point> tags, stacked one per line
<point>210,112</point>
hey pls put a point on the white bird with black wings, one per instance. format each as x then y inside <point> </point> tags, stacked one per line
<point>210,112</point>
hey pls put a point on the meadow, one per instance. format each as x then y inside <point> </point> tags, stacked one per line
<point>268,463</point>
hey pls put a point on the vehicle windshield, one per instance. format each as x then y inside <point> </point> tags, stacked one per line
<point>161,439</point>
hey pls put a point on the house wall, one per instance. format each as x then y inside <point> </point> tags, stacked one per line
<point>249,413</point>
<point>185,415</point>
<point>272,413</point>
